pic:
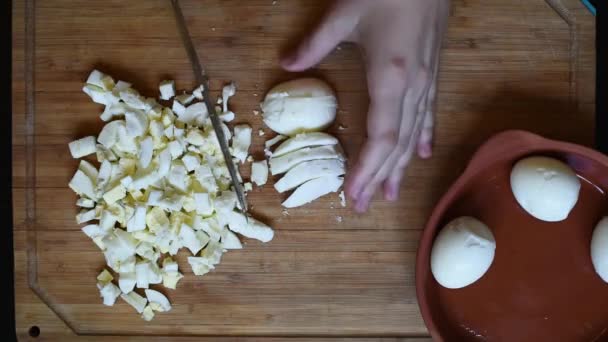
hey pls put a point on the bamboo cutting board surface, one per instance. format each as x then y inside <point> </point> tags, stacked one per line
<point>328,272</point>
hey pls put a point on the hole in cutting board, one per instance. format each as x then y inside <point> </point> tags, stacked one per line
<point>34,331</point>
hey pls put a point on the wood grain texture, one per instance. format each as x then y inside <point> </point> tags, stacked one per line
<point>505,64</point>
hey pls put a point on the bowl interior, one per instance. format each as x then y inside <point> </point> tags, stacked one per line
<point>541,285</point>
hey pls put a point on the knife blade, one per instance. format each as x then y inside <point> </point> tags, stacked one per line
<point>203,79</point>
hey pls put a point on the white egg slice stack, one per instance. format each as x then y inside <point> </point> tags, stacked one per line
<point>311,162</point>
<point>162,185</point>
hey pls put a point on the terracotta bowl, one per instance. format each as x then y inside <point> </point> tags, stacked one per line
<point>541,285</point>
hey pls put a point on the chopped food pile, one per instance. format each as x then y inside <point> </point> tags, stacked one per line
<point>162,185</point>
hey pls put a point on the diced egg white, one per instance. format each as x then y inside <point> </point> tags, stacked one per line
<point>185,98</point>
<point>167,90</point>
<point>82,185</point>
<point>230,240</point>
<point>241,142</point>
<point>227,92</point>
<point>137,123</point>
<point>135,300</point>
<point>109,292</point>
<point>259,172</point>
<point>162,185</point>
<point>252,229</point>
<point>85,203</point>
<point>83,147</point>
<point>198,92</point>
<point>158,298</point>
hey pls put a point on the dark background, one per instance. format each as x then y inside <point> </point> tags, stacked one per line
<point>6,169</point>
<point>601,129</point>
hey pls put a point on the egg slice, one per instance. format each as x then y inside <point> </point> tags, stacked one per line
<point>462,252</point>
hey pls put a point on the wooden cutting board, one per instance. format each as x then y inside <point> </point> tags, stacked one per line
<point>329,272</point>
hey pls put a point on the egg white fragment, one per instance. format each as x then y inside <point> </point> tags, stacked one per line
<point>157,300</point>
<point>167,89</point>
<point>259,172</point>
<point>109,292</point>
<point>135,300</point>
<point>241,142</point>
<point>83,147</point>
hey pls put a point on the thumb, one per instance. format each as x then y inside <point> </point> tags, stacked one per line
<point>337,25</point>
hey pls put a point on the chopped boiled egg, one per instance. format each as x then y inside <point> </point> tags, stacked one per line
<point>259,172</point>
<point>135,300</point>
<point>85,203</point>
<point>105,276</point>
<point>162,185</point>
<point>198,92</point>
<point>167,90</point>
<point>185,99</point>
<point>252,229</point>
<point>83,185</point>
<point>148,313</point>
<point>241,142</point>
<point>230,240</point>
<point>127,281</point>
<point>83,147</point>
<point>109,292</point>
<point>155,297</point>
<point>137,123</point>
<point>227,92</point>
<point>342,199</point>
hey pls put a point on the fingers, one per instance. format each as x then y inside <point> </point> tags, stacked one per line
<point>403,155</point>
<point>367,183</point>
<point>392,184</point>
<point>414,100</point>
<point>337,25</point>
<point>384,119</point>
<point>425,142</point>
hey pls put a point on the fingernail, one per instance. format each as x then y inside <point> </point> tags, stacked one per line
<point>425,151</point>
<point>391,193</point>
<point>360,207</point>
<point>288,61</point>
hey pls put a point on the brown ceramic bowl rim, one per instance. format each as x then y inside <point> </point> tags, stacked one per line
<point>484,157</point>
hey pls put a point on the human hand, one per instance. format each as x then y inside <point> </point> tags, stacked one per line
<point>400,42</point>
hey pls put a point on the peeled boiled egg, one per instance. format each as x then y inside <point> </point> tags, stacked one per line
<point>462,252</point>
<point>545,187</point>
<point>599,249</point>
<point>300,105</point>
